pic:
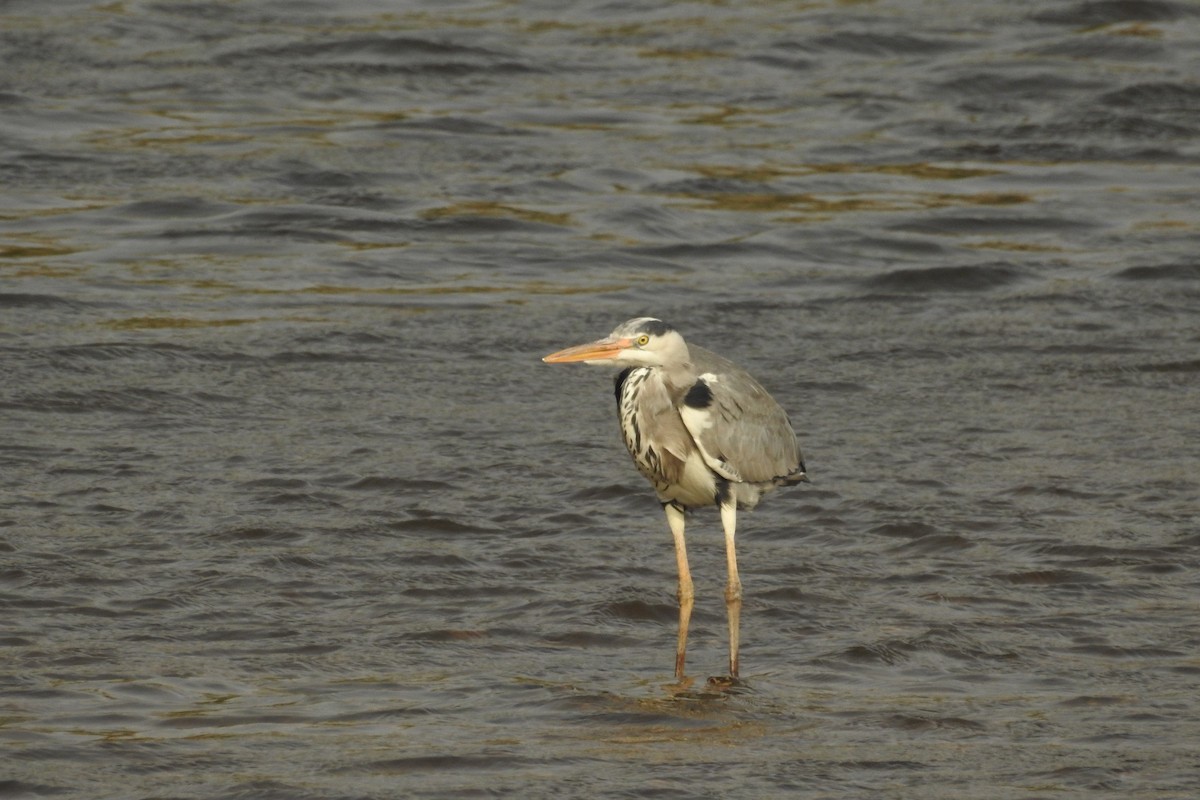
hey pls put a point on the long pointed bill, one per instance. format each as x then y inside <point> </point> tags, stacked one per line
<point>602,350</point>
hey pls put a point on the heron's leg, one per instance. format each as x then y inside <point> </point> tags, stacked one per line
<point>675,519</point>
<point>733,589</point>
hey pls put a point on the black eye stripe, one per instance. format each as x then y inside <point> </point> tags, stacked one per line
<point>656,327</point>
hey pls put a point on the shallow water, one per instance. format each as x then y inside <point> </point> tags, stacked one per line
<point>291,508</point>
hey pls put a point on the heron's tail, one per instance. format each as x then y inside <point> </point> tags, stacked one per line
<point>799,476</point>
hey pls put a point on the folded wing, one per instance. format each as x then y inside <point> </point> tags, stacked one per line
<point>742,433</point>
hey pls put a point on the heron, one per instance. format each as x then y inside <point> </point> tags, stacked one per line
<point>704,433</point>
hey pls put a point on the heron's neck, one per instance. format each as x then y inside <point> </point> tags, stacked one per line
<point>679,375</point>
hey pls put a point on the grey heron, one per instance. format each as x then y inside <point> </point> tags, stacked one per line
<point>703,432</point>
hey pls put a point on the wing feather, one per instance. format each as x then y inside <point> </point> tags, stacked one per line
<point>743,434</point>
<point>664,433</point>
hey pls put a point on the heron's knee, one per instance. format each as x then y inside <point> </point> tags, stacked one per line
<point>733,592</point>
<point>684,594</point>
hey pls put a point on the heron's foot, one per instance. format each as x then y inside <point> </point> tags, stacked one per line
<point>686,691</point>
<point>728,684</point>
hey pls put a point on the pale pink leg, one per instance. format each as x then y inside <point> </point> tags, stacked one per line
<point>733,589</point>
<point>675,518</point>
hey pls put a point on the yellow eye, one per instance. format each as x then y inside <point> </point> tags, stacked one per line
<point>643,340</point>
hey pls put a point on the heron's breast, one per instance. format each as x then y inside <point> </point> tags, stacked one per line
<point>662,449</point>
<point>627,410</point>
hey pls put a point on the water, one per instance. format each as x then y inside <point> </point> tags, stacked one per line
<point>291,508</point>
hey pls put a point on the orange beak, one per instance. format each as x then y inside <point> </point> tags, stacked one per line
<point>592,351</point>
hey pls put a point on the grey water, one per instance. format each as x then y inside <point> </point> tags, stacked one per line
<point>290,507</point>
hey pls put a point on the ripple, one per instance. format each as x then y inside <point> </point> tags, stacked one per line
<point>995,223</point>
<point>905,530</point>
<point>437,524</point>
<point>1182,271</point>
<point>885,44</point>
<point>1155,97</point>
<point>640,611</point>
<point>935,543</point>
<point>997,86</point>
<point>383,483</point>
<point>1192,365</point>
<point>946,279</point>
<point>258,534</point>
<point>18,300</point>
<point>924,724</point>
<point>1109,48</point>
<point>144,402</point>
<point>174,208</point>
<point>1092,13</point>
<point>382,54</point>
<point>498,759</point>
<point>463,126</point>
<point>1050,577</point>
<point>1115,651</point>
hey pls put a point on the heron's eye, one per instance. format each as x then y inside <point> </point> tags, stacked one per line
<point>643,340</point>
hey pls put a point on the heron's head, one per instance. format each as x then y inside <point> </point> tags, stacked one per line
<point>641,342</point>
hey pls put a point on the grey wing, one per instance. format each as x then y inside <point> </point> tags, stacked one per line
<point>743,434</point>
<point>665,442</point>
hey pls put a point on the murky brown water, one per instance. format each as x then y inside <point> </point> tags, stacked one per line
<point>290,508</point>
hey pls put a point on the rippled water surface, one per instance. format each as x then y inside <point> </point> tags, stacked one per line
<point>290,508</point>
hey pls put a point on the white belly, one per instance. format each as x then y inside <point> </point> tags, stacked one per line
<point>696,487</point>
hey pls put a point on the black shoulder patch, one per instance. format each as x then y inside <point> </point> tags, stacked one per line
<point>699,396</point>
<point>619,381</point>
<point>656,327</point>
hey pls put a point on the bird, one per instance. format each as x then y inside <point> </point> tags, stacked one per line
<point>704,433</point>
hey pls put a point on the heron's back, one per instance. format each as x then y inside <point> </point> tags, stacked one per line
<point>746,427</point>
